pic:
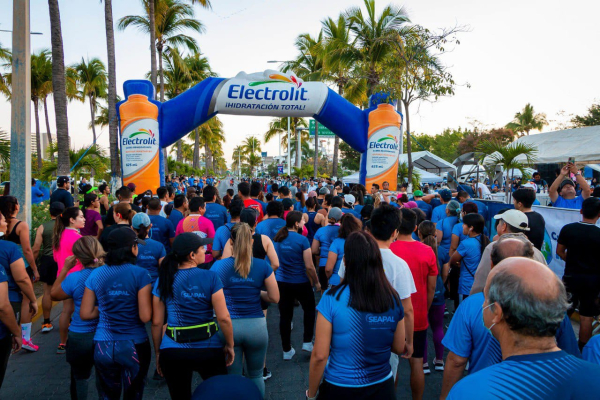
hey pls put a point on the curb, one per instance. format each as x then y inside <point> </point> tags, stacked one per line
<point>39,314</point>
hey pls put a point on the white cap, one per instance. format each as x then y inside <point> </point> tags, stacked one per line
<point>530,185</point>
<point>515,218</point>
<point>350,199</point>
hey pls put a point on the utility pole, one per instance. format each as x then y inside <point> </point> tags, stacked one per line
<point>289,157</point>
<point>20,131</point>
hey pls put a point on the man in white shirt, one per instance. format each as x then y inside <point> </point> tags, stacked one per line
<point>482,191</point>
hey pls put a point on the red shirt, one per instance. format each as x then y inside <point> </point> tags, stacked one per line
<point>423,264</point>
<point>249,203</point>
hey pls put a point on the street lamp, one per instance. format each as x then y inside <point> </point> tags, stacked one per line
<point>31,33</point>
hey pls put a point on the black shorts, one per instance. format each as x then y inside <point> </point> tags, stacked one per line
<point>323,280</point>
<point>419,342</point>
<point>381,391</point>
<point>48,270</point>
<point>264,304</point>
<point>583,292</point>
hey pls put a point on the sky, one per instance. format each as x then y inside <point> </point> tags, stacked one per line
<point>515,52</point>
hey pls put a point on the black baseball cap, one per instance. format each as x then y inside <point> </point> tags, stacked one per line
<point>287,203</point>
<point>565,183</point>
<point>122,238</point>
<point>56,208</point>
<point>187,242</point>
<point>62,180</point>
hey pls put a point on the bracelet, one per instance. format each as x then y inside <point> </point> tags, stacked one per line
<point>311,398</point>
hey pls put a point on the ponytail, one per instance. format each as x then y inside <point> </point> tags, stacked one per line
<point>63,221</point>
<point>292,218</point>
<point>477,222</point>
<point>300,198</point>
<point>241,235</point>
<point>89,251</point>
<point>87,201</point>
<point>428,236</point>
<point>142,231</point>
<point>124,209</point>
<point>166,274</point>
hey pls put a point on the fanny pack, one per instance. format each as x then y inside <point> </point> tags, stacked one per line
<point>190,334</point>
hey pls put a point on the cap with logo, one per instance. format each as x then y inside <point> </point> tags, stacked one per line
<point>515,218</point>
<point>62,180</point>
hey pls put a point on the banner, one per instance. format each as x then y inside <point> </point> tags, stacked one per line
<point>280,169</point>
<point>555,219</point>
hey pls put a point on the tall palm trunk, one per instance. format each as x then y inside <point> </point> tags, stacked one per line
<point>152,21</point>
<point>115,164</point>
<point>92,114</point>
<point>38,136</point>
<point>207,156</point>
<point>60,89</point>
<point>316,158</point>
<point>298,148</point>
<point>162,94</point>
<point>180,150</point>
<point>48,133</point>
<point>408,142</point>
<point>196,162</point>
<point>336,149</point>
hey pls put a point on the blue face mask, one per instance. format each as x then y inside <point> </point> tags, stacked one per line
<point>483,320</point>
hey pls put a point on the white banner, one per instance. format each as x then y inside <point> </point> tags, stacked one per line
<point>269,93</point>
<point>555,219</point>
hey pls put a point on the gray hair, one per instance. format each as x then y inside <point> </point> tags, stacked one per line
<point>524,312</point>
<point>500,253</point>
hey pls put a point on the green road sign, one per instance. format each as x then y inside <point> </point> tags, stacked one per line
<point>323,130</point>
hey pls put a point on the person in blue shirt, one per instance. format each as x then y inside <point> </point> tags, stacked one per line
<point>274,221</point>
<point>311,225</point>
<point>151,255</point>
<point>80,351</point>
<point>189,294</point>
<point>223,234</point>
<point>323,239</point>
<point>348,207</point>
<point>423,205</point>
<point>180,206</point>
<point>357,333</point>
<point>119,293</point>
<point>348,224</point>
<point>296,277</point>
<point>457,232</point>
<point>523,307</point>
<point>162,229</point>
<point>468,254</point>
<point>439,212</point>
<point>37,196</point>
<point>591,351</point>
<point>444,230</point>
<point>243,277</point>
<point>215,212</point>
<point>563,193</point>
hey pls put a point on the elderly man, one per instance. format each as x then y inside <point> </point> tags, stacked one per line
<point>509,222</point>
<point>562,192</point>
<point>524,307</point>
<point>469,341</point>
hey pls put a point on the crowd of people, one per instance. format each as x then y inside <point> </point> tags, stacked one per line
<point>373,272</point>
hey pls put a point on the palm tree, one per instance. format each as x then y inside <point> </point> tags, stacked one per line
<point>527,120</point>
<point>6,59</point>
<point>373,38</point>
<point>172,17</point>
<point>212,136</point>
<point>187,152</point>
<point>41,81</point>
<point>280,125</point>
<point>91,79</point>
<point>508,156</point>
<point>59,88</point>
<point>83,160</point>
<point>252,162</point>
<point>115,164</point>
<point>238,156</point>
<point>4,148</point>
<point>251,145</point>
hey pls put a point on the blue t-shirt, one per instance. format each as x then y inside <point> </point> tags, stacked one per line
<point>222,235</point>
<point>555,375</point>
<point>3,329</point>
<point>326,235</point>
<point>149,255</point>
<point>591,351</point>
<point>175,217</point>
<point>481,207</point>
<point>74,286</point>
<point>458,231</point>
<point>162,230</point>
<point>9,253</point>
<point>445,225</point>
<point>337,247</point>
<point>361,342</point>
<point>116,288</point>
<point>291,259</point>
<point>574,204</point>
<point>217,214</point>
<point>434,203</point>
<point>242,295</point>
<point>352,211</point>
<point>470,250</point>
<point>438,213</point>
<point>311,226</point>
<point>425,207</point>
<point>269,227</point>
<point>191,305</point>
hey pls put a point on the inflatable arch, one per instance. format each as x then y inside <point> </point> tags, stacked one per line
<point>147,126</point>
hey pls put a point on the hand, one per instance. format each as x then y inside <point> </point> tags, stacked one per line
<point>36,276</point>
<point>70,262</point>
<point>229,355</point>
<point>572,168</point>
<point>564,171</point>
<point>33,307</point>
<point>318,287</point>
<point>408,351</point>
<point>17,342</point>
<point>158,365</point>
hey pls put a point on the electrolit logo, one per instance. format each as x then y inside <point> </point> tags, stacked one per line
<point>278,78</point>
<point>388,137</point>
<point>386,145</point>
<point>380,319</point>
<point>147,137</point>
<point>238,92</point>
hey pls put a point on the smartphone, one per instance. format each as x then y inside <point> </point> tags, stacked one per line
<point>572,160</point>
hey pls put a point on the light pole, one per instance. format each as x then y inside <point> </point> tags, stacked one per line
<point>299,148</point>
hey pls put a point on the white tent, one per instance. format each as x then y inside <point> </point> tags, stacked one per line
<point>426,177</point>
<point>427,161</point>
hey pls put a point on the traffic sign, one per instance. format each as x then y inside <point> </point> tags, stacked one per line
<point>323,130</point>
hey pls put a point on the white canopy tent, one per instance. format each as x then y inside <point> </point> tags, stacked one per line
<point>426,177</point>
<point>427,161</point>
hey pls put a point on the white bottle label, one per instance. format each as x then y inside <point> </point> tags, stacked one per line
<point>382,151</point>
<point>139,145</point>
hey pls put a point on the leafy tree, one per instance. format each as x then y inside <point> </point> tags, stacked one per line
<point>591,119</point>
<point>238,157</point>
<point>403,175</point>
<point>527,120</point>
<point>350,157</point>
<point>280,125</point>
<point>444,145</point>
<point>82,160</point>
<point>473,139</point>
<point>251,145</point>
<point>5,62</point>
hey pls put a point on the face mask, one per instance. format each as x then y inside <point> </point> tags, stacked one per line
<point>483,320</point>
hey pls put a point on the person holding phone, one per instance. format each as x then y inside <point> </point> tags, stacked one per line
<point>562,192</point>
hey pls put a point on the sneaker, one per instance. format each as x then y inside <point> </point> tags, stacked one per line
<point>426,369</point>
<point>287,355</point>
<point>307,347</point>
<point>47,328</point>
<point>29,346</point>
<point>266,373</point>
<point>439,364</point>
<point>61,349</point>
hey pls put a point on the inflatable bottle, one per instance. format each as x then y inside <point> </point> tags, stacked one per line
<point>383,147</point>
<point>140,149</point>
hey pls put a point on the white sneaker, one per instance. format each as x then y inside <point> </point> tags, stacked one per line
<point>307,347</point>
<point>287,355</point>
<point>439,364</point>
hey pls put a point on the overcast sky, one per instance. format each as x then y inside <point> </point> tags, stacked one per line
<point>538,51</point>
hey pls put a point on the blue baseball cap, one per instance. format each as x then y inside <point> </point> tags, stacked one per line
<point>140,219</point>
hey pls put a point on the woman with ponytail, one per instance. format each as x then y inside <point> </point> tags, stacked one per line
<point>323,239</point>
<point>93,219</point>
<point>242,277</point>
<point>427,236</point>
<point>189,294</point>
<point>151,255</point>
<point>296,277</point>
<point>66,233</point>
<point>80,353</point>
<point>123,215</point>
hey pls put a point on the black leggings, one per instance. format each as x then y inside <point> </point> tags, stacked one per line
<point>380,391</point>
<point>5,349</point>
<point>80,355</point>
<point>288,292</point>
<point>178,366</point>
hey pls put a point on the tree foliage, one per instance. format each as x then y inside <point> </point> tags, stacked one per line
<point>527,120</point>
<point>350,158</point>
<point>473,139</point>
<point>592,118</point>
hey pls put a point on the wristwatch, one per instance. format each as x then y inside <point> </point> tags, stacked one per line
<point>578,173</point>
